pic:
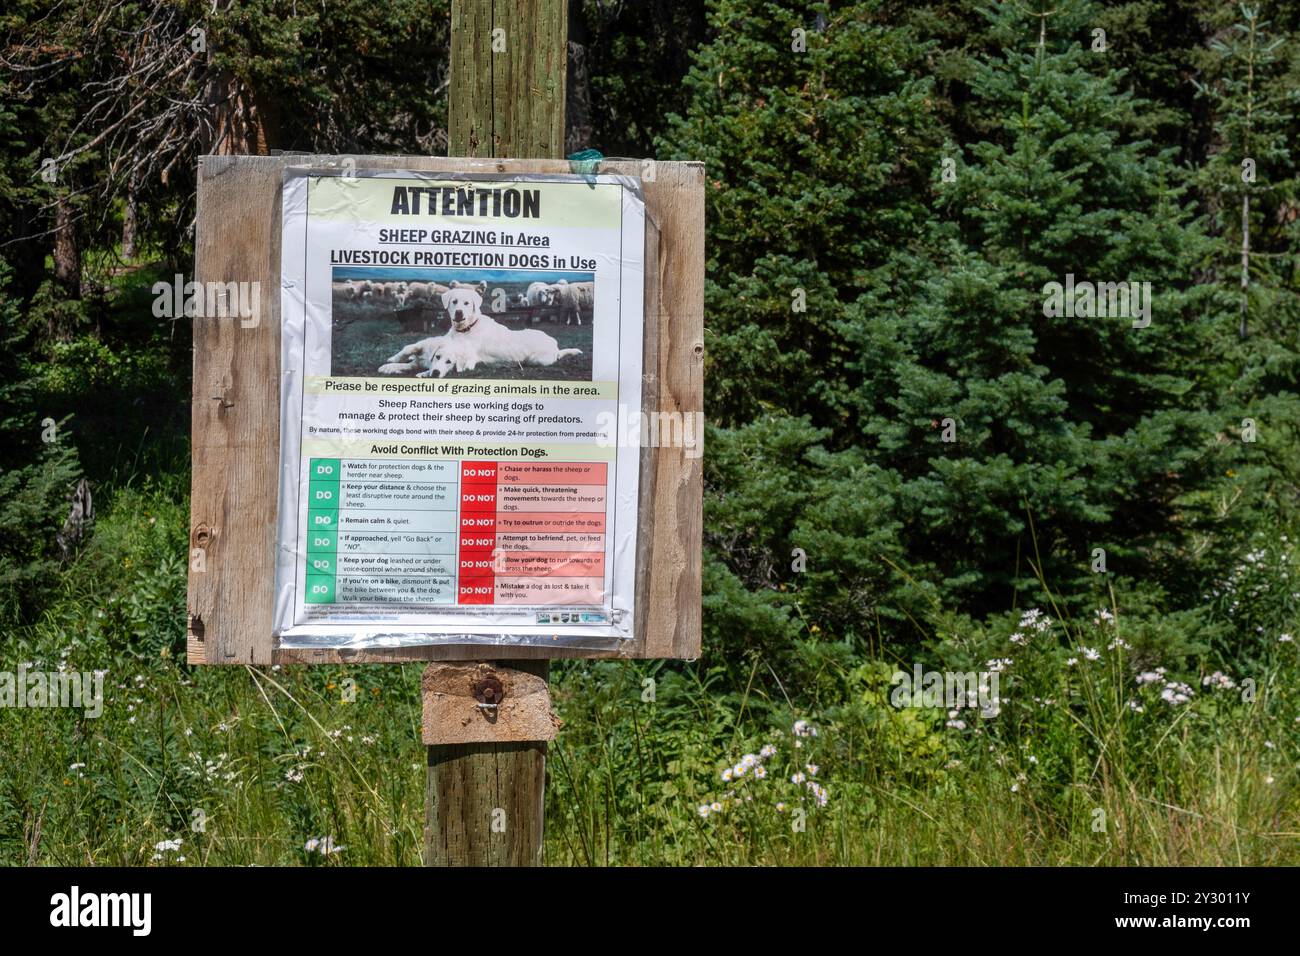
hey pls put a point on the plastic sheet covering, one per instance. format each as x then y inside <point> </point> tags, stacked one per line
<point>460,398</point>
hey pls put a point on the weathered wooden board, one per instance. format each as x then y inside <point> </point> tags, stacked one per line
<point>463,780</point>
<point>506,91</point>
<point>485,703</point>
<point>236,415</point>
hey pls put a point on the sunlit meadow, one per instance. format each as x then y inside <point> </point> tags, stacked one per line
<point>1098,754</point>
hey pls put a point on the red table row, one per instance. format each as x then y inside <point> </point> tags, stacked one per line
<point>532,533</point>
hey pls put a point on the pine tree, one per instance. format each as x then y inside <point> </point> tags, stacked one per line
<point>1250,187</point>
<point>1094,429</point>
<point>1249,174</point>
<point>38,469</point>
<point>816,124</point>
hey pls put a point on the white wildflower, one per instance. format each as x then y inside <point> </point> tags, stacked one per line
<point>1036,620</point>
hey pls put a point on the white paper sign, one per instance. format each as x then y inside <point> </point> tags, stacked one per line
<point>458,355</point>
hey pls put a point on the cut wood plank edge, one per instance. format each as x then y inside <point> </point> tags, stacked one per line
<point>457,710</point>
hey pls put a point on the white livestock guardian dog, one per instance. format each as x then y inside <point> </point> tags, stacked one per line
<point>416,357</point>
<point>474,338</point>
<point>464,306</point>
<point>520,347</point>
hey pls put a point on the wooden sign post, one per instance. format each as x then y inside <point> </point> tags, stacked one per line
<point>486,722</point>
<point>485,800</point>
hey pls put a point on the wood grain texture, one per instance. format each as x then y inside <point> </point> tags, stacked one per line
<point>465,784</point>
<point>453,715</point>
<point>508,102</point>
<point>236,416</point>
<point>484,804</point>
<point>675,200</point>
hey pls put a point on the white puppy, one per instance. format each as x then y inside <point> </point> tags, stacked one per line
<point>475,338</point>
<point>450,352</point>
<point>416,357</point>
<point>522,347</point>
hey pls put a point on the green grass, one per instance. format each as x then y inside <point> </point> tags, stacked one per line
<point>268,759</point>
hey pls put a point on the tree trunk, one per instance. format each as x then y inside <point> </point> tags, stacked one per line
<point>1245,260</point>
<point>129,220</point>
<point>578,130</point>
<point>246,123</point>
<point>67,254</point>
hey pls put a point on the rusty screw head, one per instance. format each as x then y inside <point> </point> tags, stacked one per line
<point>489,690</point>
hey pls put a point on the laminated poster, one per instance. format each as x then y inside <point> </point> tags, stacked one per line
<point>460,354</point>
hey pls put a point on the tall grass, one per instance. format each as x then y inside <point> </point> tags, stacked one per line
<point>249,766</point>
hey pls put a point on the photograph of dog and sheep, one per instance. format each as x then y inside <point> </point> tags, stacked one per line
<point>471,323</point>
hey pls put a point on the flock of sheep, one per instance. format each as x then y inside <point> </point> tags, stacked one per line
<point>551,300</point>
